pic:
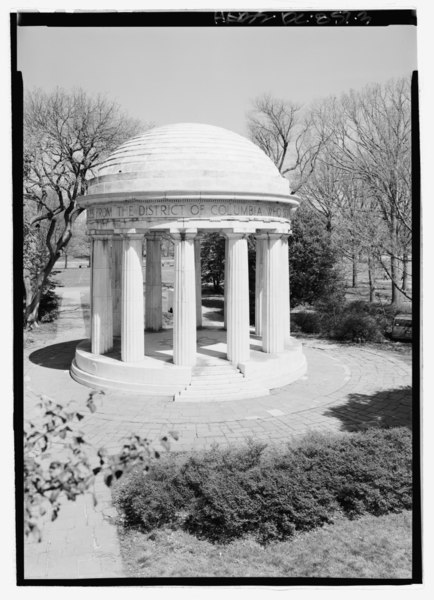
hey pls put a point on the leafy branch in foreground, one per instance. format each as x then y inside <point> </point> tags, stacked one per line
<point>59,463</point>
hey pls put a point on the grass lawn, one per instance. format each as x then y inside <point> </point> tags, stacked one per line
<point>370,547</point>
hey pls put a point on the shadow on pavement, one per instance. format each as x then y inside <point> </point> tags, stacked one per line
<point>213,315</point>
<point>56,356</point>
<point>387,408</point>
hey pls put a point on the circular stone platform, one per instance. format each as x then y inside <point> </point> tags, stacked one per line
<point>213,378</point>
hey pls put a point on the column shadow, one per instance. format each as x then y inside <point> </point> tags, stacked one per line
<point>57,356</point>
<point>386,408</point>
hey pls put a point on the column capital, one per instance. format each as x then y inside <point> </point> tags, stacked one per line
<point>261,235</point>
<point>269,235</point>
<point>101,236</point>
<point>132,236</point>
<point>235,235</point>
<point>181,235</point>
<point>153,235</point>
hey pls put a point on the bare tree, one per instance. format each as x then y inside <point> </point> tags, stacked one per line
<point>66,137</point>
<point>370,140</point>
<point>279,128</point>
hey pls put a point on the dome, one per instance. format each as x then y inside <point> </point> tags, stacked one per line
<point>189,158</point>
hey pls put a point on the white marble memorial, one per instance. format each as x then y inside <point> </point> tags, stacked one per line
<point>183,181</point>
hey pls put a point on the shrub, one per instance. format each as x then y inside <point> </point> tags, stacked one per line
<point>50,303</point>
<point>307,321</point>
<point>355,321</point>
<point>358,328</point>
<point>225,494</point>
<point>152,499</point>
<point>313,260</point>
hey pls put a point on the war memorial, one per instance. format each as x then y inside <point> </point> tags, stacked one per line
<point>182,181</point>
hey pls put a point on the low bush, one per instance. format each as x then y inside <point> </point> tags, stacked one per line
<point>365,321</point>
<point>357,321</point>
<point>50,303</point>
<point>358,328</point>
<point>221,495</point>
<point>306,321</point>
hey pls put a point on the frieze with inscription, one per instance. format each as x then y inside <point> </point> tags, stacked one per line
<point>188,210</point>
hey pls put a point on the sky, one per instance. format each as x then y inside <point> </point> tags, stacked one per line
<point>212,75</point>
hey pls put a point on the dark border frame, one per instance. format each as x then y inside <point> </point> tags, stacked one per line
<point>336,18</point>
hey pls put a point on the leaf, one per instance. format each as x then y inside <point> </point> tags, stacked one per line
<point>54,495</point>
<point>108,479</point>
<point>165,443</point>
<point>175,435</point>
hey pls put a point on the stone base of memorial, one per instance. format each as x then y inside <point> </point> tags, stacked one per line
<point>154,377</point>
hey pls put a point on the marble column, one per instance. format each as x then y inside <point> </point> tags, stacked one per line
<point>116,280</point>
<point>286,310</point>
<point>272,326</point>
<point>101,297</point>
<point>153,298</point>
<point>226,288</point>
<point>198,275</point>
<point>259,281</point>
<point>132,324</point>
<point>238,334</point>
<point>184,301</point>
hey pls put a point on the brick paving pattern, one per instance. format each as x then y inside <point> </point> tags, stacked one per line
<point>347,388</point>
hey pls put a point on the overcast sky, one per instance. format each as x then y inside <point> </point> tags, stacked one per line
<point>210,75</point>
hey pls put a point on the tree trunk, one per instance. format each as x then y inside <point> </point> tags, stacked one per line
<point>66,261</point>
<point>396,296</point>
<point>371,277</point>
<point>354,260</point>
<point>394,274</point>
<point>405,272</point>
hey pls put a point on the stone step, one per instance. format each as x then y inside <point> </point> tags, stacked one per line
<point>189,396</point>
<point>214,370</point>
<point>211,381</point>
<point>219,382</point>
<point>221,389</point>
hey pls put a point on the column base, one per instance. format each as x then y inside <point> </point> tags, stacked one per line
<point>148,376</point>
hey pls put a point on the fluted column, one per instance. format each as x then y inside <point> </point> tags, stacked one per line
<point>116,280</point>
<point>132,325</point>
<point>198,275</point>
<point>238,335</point>
<point>272,326</point>
<point>226,289</point>
<point>259,281</point>
<point>101,297</point>
<point>286,310</point>
<point>153,301</point>
<point>184,301</point>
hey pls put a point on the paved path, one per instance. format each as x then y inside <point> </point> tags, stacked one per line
<point>346,388</point>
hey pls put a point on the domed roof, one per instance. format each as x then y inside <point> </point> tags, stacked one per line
<point>189,158</point>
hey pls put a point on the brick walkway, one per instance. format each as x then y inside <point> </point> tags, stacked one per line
<point>346,388</point>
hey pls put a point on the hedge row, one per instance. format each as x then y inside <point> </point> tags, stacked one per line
<point>221,495</point>
<point>353,321</point>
